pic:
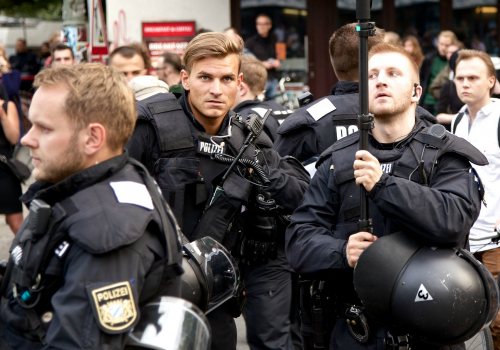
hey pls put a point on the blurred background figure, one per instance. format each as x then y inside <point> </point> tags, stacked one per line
<point>10,186</point>
<point>412,46</point>
<point>54,40</point>
<point>446,73</point>
<point>449,102</point>
<point>263,46</point>
<point>393,38</point>
<point>233,33</point>
<point>433,63</point>
<point>44,53</point>
<point>11,81</point>
<point>132,60</point>
<point>26,63</point>
<point>169,70</point>
<point>62,55</point>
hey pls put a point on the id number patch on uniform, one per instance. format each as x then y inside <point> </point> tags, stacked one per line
<point>115,306</point>
<point>320,109</point>
<point>207,147</point>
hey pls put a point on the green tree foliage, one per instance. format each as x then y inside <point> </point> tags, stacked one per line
<point>42,9</point>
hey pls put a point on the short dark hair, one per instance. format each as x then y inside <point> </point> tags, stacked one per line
<point>129,51</point>
<point>62,47</point>
<point>173,60</point>
<point>23,40</point>
<point>344,48</point>
<point>264,15</point>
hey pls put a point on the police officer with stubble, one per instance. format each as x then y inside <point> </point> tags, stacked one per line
<point>94,247</point>
<point>431,195</point>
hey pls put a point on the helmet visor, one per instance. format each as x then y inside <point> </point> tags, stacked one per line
<point>171,324</point>
<point>220,268</point>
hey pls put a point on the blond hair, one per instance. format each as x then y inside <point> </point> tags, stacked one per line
<point>390,48</point>
<point>211,44</point>
<point>96,94</point>
<point>254,74</point>
<point>448,34</point>
<point>470,54</point>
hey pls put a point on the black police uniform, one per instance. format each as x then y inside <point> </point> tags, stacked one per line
<point>278,115</point>
<point>310,130</point>
<point>439,205</point>
<point>271,321</point>
<point>80,284</point>
<point>175,147</point>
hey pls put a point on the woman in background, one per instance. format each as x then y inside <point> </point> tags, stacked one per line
<point>10,187</point>
<point>412,46</point>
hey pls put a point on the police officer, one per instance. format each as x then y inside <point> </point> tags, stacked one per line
<point>418,181</point>
<point>313,128</point>
<point>254,83</point>
<point>271,321</point>
<point>179,141</point>
<point>94,246</point>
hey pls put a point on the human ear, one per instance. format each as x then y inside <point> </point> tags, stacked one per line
<point>185,79</point>
<point>95,138</point>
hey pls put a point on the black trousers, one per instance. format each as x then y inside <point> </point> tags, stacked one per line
<point>271,315</point>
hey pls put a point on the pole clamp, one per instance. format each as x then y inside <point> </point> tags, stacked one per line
<point>365,29</point>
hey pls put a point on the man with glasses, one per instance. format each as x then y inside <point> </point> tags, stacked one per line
<point>263,46</point>
<point>169,70</point>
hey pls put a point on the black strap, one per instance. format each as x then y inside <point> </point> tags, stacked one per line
<point>459,118</point>
<point>498,132</point>
<point>36,325</point>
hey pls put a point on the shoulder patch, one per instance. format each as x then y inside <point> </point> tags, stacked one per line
<point>320,109</point>
<point>132,193</point>
<point>261,112</point>
<point>114,307</point>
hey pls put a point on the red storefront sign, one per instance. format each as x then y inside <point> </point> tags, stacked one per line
<point>156,48</point>
<point>168,29</point>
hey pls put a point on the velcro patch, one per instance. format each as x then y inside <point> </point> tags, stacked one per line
<point>132,193</point>
<point>114,307</point>
<point>207,147</point>
<point>320,109</point>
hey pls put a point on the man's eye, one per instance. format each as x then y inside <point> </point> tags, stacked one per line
<point>371,76</point>
<point>204,78</point>
<point>394,74</point>
<point>228,79</point>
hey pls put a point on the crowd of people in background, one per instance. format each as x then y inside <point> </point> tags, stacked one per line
<point>437,70</point>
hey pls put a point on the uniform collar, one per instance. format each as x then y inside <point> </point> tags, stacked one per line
<point>345,87</point>
<point>189,113</point>
<point>54,193</point>
<point>245,104</point>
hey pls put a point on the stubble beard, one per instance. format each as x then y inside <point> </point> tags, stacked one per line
<point>387,114</point>
<point>68,163</point>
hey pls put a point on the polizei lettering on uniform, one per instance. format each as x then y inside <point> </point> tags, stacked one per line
<point>343,131</point>
<point>205,146</point>
<point>112,294</point>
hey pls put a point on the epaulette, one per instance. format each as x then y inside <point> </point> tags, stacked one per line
<point>324,156</point>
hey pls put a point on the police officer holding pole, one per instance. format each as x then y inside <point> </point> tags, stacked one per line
<point>99,242</point>
<point>216,170</point>
<point>416,179</point>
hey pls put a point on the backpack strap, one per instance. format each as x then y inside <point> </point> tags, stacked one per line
<point>457,121</point>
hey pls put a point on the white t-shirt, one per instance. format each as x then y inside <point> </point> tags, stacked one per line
<point>483,135</point>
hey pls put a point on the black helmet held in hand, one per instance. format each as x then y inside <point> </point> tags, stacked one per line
<point>440,296</point>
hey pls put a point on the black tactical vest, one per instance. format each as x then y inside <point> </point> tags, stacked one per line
<point>413,163</point>
<point>177,172</point>
<point>37,260</point>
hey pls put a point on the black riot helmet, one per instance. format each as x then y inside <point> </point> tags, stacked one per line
<point>211,275</point>
<point>440,296</point>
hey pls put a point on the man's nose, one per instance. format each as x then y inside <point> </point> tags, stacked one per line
<point>215,87</point>
<point>28,139</point>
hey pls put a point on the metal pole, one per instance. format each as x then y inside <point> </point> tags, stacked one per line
<point>365,28</point>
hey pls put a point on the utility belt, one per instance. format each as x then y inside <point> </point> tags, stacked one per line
<point>321,309</point>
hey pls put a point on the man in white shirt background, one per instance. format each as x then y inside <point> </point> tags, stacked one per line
<point>478,122</point>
